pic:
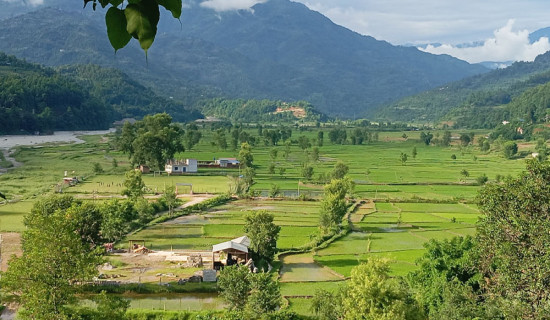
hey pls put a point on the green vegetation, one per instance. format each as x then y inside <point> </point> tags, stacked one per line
<point>399,214</point>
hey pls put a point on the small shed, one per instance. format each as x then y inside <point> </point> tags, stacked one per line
<point>235,250</point>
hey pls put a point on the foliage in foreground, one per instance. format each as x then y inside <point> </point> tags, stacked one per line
<point>57,254</point>
<point>370,294</point>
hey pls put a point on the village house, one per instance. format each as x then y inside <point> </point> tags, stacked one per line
<point>227,162</point>
<point>181,166</point>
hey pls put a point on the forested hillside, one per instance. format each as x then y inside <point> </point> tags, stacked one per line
<point>39,99</point>
<point>491,89</point>
<point>36,99</point>
<point>280,50</point>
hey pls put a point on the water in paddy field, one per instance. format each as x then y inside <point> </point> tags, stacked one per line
<point>11,141</point>
<point>174,301</point>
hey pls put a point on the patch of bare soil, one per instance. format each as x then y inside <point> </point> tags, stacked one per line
<point>11,244</point>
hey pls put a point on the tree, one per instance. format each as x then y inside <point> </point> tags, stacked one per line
<point>219,139</point>
<point>510,149</point>
<point>326,305</point>
<point>273,154</point>
<point>151,141</point>
<point>307,171</point>
<point>97,169</point>
<point>263,234</point>
<point>274,190</point>
<point>464,173</point>
<point>137,19</point>
<point>170,198</point>
<point>271,168</point>
<point>133,184</point>
<point>414,153</point>
<point>320,138</point>
<point>372,294</point>
<point>444,263</point>
<point>303,142</point>
<point>513,237</point>
<point>117,216</point>
<point>465,139</point>
<point>234,286</point>
<point>315,154</point>
<point>446,140</point>
<point>245,155</point>
<point>110,306</point>
<point>257,293</point>
<point>339,171</point>
<point>192,136</point>
<point>426,137</point>
<point>55,259</point>
<point>334,205</point>
<point>482,179</point>
<point>403,158</point>
<point>265,295</point>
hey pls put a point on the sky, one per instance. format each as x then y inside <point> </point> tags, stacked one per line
<point>502,26</point>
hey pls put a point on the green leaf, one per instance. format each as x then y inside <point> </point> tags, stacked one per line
<point>115,3</point>
<point>173,6</point>
<point>116,28</point>
<point>142,19</point>
<point>104,3</point>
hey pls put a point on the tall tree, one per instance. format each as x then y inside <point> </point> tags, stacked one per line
<point>151,141</point>
<point>55,259</point>
<point>245,155</point>
<point>372,294</point>
<point>263,234</point>
<point>513,240</point>
<point>134,187</point>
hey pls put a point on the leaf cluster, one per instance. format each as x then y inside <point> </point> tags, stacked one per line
<point>136,18</point>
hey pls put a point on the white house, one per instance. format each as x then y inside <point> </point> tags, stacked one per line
<point>181,166</point>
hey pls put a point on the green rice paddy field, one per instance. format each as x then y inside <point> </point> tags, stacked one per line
<point>391,223</point>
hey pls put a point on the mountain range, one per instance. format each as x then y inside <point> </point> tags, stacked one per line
<point>278,50</point>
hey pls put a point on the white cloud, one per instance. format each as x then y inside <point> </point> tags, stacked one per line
<point>506,45</point>
<point>431,21</point>
<point>229,5</point>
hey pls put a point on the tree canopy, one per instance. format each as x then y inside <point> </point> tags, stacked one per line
<point>151,141</point>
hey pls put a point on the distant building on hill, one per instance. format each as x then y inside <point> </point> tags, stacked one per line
<point>181,166</point>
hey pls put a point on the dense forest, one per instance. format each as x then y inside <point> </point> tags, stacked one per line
<point>39,99</point>
<point>486,90</point>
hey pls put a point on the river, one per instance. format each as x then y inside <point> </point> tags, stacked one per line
<point>11,141</point>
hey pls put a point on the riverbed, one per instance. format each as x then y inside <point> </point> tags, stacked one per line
<point>12,141</point>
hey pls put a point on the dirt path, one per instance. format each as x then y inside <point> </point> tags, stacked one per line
<point>11,244</point>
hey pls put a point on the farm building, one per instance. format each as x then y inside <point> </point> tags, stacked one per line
<point>234,251</point>
<point>181,166</point>
<point>227,162</point>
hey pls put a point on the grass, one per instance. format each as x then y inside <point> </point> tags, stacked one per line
<point>425,199</point>
<point>11,216</point>
<point>298,226</point>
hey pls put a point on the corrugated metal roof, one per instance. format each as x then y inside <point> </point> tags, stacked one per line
<point>229,245</point>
